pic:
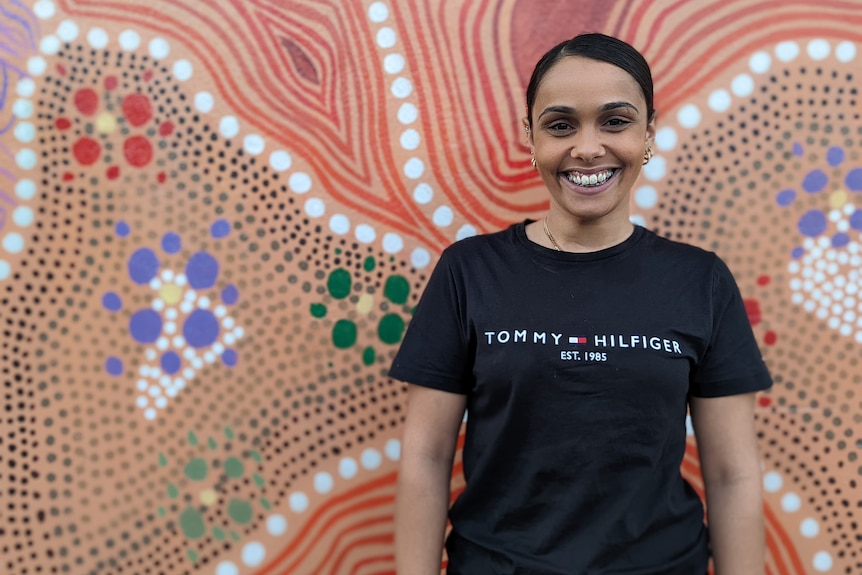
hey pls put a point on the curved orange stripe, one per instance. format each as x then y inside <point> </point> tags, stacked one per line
<point>386,538</point>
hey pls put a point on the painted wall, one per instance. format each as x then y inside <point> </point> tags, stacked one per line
<point>216,217</point>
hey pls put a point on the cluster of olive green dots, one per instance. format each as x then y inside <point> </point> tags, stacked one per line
<point>390,328</point>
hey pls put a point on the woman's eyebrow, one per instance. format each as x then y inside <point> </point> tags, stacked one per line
<point>567,110</point>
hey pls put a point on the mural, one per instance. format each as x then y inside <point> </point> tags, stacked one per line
<point>216,218</point>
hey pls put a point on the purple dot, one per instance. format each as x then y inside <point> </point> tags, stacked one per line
<point>786,197</point>
<point>171,243</point>
<point>171,362</point>
<point>143,266</point>
<point>835,155</point>
<point>812,224</point>
<point>145,326</point>
<point>854,180</point>
<point>229,357</point>
<point>202,271</point>
<point>201,328</point>
<point>815,181</point>
<point>856,220</point>
<point>797,253</point>
<point>229,294</point>
<point>112,302</point>
<point>220,229</point>
<point>840,240</point>
<point>797,149</point>
<point>122,229</point>
<point>114,365</point>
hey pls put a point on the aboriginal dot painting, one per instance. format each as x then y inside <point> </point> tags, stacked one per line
<point>216,218</point>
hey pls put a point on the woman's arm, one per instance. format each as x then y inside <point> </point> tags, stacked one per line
<point>422,499</point>
<point>727,441</point>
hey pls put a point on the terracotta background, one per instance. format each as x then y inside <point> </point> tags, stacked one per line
<point>216,218</point>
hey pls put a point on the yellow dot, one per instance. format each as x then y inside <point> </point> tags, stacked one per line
<point>838,199</point>
<point>105,123</point>
<point>365,303</point>
<point>208,496</point>
<point>171,293</point>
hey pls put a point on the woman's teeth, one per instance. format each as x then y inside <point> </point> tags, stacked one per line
<point>591,179</point>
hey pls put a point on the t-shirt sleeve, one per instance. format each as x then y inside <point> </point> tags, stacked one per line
<point>435,351</point>
<point>732,362</point>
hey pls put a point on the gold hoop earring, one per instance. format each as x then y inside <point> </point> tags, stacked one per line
<point>647,155</point>
<point>533,161</point>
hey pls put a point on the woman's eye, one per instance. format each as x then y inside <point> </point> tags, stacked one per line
<point>559,127</point>
<point>618,122</point>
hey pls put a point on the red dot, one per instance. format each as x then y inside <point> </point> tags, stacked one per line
<point>138,151</point>
<point>161,177</point>
<point>770,338</point>
<point>764,401</point>
<point>113,172</point>
<point>752,308</point>
<point>763,280</point>
<point>63,124</point>
<point>68,176</point>
<point>61,69</point>
<point>166,129</point>
<point>148,75</point>
<point>110,82</point>
<point>86,150</point>
<point>87,101</point>
<point>137,109</point>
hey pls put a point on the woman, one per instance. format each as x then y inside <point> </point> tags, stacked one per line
<point>576,344</point>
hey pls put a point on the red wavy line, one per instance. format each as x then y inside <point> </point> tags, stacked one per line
<point>386,538</point>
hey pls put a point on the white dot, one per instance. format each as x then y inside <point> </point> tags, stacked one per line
<point>386,37</point>
<point>413,168</point>
<point>392,449</point>
<point>809,528</point>
<point>689,426</point>
<point>150,413</point>
<point>156,284</point>
<point>466,231</point>
<point>162,401</point>
<point>22,108</point>
<point>410,139</point>
<point>688,116</point>
<point>655,169</point>
<point>253,144</point>
<point>818,49</point>
<point>159,48</point>
<point>24,132</point>
<point>154,391</point>
<point>393,63</point>
<point>26,159</point>
<point>5,269</point>
<point>67,31</point>
<point>36,65</point>
<point>280,160</point>
<point>228,126</point>
<point>742,85</point>
<point>371,459</point>
<point>791,502</point>
<point>183,70</point>
<point>226,568</point>
<point>298,502</point>
<point>300,182</point>
<point>443,216</point>
<point>365,233</point>
<point>772,482</point>
<point>760,62</point>
<point>339,224</point>
<point>129,40</point>
<point>420,258</point>
<point>43,9</point>
<point>315,207</point>
<point>423,193</point>
<point>786,51</point>
<point>665,138</point>
<point>22,216</point>
<point>401,88</point>
<point>378,12</point>
<point>845,51</point>
<point>142,401</point>
<point>97,38</point>
<point>646,197</point>
<point>276,524</point>
<point>323,482</point>
<point>25,87</point>
<point>204,102</point>
<point>407,113</point>
<point>348,468</point>
<point>719,100</point>
<point>49,44</point>
<point>253,553</point>
<point>392,243</point>
<point>822,561</point>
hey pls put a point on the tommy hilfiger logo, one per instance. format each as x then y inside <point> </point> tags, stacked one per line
<point>638,341</point>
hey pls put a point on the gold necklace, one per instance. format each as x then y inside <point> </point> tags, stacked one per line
<point>550,237</point>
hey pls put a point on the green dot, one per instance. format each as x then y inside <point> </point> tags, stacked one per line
<point>265,504</point>
<point>218,533</point>
<point>339,283</point>
<point>234,535</point>
<point>368,355</point>
<point>344,333</point>
<point>161,511</point>
<point>173,492</point>
<point>318,310</point>
<point>162,460</point>
<point>369,264</point>
<point>240,511</point>
<point>192,438</point>
<point>192,555</point>
<point>256,456</point>
<point>211,443</point>
<point>196,469</point>
<point>258,480</point>
<point>396,289</point>
<point>390,328</point>
<point>192,523</point>
<point>228,432</point>
<point>233,467</point>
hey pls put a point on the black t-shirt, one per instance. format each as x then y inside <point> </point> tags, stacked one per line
<point>577,370</point>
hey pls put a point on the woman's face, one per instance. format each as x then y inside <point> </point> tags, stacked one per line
<point>590,131</point>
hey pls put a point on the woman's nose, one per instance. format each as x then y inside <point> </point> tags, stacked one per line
<point>587,145</point>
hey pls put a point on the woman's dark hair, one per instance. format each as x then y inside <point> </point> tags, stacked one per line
<point>596,47</point>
